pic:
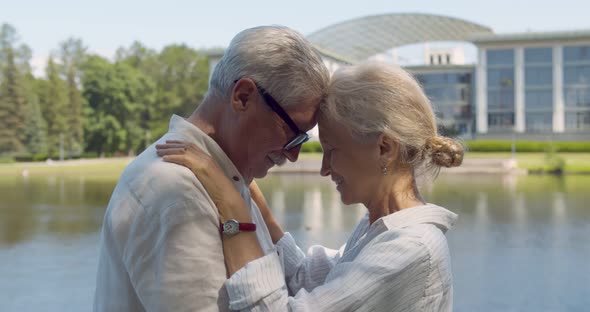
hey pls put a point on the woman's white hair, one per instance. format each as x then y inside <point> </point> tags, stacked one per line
<point>277,58</point>
<point>374,98</point>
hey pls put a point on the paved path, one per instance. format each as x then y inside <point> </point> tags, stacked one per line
<point>480,165</point>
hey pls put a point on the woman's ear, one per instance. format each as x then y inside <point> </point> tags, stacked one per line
<point>243,93</point>
<point>388,150</point>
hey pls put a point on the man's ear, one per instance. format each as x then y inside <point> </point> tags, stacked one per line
<point>388,150</point>
<point>243,94</point>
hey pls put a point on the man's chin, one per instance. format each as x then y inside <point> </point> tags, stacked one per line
<point>261,173</point>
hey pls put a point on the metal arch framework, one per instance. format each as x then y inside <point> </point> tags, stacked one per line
<point>357,39</point>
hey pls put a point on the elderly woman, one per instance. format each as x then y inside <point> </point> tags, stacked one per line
<point>379,134</point>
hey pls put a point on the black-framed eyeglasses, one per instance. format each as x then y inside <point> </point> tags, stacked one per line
<point>300,136</point>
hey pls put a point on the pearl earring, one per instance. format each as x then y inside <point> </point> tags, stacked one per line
<point>384,170</point>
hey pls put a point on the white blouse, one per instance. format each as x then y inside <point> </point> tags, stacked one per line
<point>399,263</point>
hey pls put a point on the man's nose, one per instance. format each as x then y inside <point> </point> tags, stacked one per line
<point>293,153</point>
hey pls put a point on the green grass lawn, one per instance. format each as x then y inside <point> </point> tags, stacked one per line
<point>89,167</point>
<point>575,163</point>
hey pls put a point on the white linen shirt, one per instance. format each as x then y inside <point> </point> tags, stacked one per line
<point>399,263</point>
<point>160,243</point>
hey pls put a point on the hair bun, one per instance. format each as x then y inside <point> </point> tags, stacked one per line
<point>445,152</point>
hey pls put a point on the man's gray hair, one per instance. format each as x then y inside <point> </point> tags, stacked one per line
<point>277,58</point>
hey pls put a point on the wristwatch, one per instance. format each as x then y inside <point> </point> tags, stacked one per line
<point>233,227</point>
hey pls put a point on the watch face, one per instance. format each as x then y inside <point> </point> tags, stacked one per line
<point>231,227</point>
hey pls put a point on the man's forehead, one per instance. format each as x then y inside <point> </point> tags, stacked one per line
<point>305,115</point>
<point>307,122</point>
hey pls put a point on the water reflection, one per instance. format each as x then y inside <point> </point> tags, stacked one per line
<point>278,204</point>
<point>55,205</point>
<point>523,244</point>
<point>520,243</point>
<point>310,208</point>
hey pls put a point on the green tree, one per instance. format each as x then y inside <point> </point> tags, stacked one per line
<point>36,133</point>
<point>138,56</point>
<point>72,54</point>
<point>181,75</point>
<point>117,96</point>
<point>21,55</point>
<point>182,80</point>
<point>146,61</point>
<point>12,108</point>
<point>36,127</point>
<point>75,134</point>
<point>54,107</point>
<point>8,37</point>
<point>13,105</point>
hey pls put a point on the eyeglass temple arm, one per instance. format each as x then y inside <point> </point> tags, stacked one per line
<point>277,108</point>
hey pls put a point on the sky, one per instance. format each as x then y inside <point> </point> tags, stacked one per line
<point>106,25</point>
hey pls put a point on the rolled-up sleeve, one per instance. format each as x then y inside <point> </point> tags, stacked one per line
<point>258,285</point>
<point>303,271</point>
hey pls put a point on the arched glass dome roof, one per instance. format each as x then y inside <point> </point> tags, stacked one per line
<point>357,39</point>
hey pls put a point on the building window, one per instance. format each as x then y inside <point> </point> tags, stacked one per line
<point>450,95</point>
<point>576,54</point>
<point>538,88</point>
<point>501,77</point>
<point>465,93</point>
<point>576,74</point>
<point>577,96</point>
<point>538,55</point>
<point>500,88</point>
<point>499,99</point>
<point>500,57</point>
<point>539,100</point>
<point>501,121</point>
<point>576,87</point>
<point>577,121</point>
<point>539,76</point>
<point>539,122</point>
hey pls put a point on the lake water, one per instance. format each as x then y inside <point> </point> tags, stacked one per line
<point>521,243</point>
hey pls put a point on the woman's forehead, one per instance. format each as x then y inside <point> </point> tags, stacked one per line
<point>330,130</point>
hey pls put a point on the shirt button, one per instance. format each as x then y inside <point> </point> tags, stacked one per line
<point>236,179</point>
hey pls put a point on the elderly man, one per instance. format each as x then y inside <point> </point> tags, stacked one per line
<point>161,248</point>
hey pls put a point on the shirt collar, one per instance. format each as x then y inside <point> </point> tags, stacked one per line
<point>193,134</point>
<point>425,214</point>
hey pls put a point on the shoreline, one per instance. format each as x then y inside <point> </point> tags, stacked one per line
<point>474,163</point>
<point>469,166</point>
